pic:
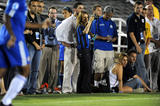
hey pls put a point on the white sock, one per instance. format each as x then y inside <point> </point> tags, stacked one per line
<point>96,83</point>
<point>16,85</point>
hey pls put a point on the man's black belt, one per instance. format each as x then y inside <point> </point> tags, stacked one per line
<point>50,46</point>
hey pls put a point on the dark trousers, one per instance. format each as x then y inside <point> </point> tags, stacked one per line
<point>84,79</point>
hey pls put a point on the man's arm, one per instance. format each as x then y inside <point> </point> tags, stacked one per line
<point>7,22</point>
<point>33,25</point>
<point>143,83</point>
<point>139,50</point>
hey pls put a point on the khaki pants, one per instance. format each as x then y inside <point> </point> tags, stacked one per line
<point>49,60</point>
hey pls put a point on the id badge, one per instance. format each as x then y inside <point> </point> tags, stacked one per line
<point>142,36</point>
<point>37,35</point>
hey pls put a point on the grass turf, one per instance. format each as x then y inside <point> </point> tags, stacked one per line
<point>95,99</point>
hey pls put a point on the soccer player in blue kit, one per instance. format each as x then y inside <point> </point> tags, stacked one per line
<point>13,50</point>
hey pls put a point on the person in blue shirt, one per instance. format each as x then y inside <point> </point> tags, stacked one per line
<point>13,50</point>
<point>84,55</point>
<point>105,32</point>
<point>50,54</point>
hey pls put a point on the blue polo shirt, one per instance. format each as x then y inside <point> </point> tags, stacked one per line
<point>104,28</point>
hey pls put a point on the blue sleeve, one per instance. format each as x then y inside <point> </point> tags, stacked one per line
<point>115,34</point>
<point>58,23</point>
<point>12,7</point>
<point>93,27</point>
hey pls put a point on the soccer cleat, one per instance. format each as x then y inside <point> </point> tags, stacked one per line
<point>1,104</point>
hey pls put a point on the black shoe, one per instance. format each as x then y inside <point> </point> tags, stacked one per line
<point>1,104</point>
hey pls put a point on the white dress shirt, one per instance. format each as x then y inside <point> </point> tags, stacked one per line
<point>155,32</point>
<point>65,32</point>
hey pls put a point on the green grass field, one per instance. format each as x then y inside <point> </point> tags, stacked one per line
<point>96,99</point>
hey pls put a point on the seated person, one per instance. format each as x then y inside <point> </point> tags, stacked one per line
<point>130,78</point>
<point>116,73</point>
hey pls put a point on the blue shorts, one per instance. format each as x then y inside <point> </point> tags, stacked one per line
<point>15,56</point>
<point>61,52</point>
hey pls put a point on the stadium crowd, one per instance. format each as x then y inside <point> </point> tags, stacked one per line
<point>76,55</point>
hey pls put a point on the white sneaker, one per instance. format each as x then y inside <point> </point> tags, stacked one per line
<point>138,90</point>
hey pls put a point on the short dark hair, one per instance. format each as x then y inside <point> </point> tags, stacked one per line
<point>52,8</point>
<point>131,51</point>
<point>138,3</point>
<point>68,9</point>
<point>77,4</point>
<point>95,7</point>
<point>29,3</point>
<point>41,1</point>
<point>149,0</point>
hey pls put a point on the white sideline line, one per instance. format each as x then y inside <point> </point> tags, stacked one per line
<point>101,100</point>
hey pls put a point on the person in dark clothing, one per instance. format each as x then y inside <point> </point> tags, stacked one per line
<point>136,38</point>
<point>35,44</point>
<point>130,78</point>
<point>84,79</point>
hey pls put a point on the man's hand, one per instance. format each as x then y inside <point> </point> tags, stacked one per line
<point>11,41</point>
<point>36,46</point>
<point>138,48</point>
<point>108,38</point>
<point>28,32</point>
<point>66,44</point>
<point>47,23</point>
<point>43,46</point>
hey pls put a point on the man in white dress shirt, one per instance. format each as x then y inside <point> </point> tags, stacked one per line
<point>65,33</point>
<point>154,46</point>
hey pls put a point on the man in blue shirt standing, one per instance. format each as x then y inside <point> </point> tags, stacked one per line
<point>13,50</point>
<point>105,33</point>
<point>50,54</point>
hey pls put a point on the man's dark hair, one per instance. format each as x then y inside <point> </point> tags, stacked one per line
<point>149,0</point>
<point>131,51</point>
<point>77,4</point>
<point>52,8</point>
<point>29,3</point>
<point>95,7</point>
<point>68,9</point>
<point>138,3</point>
<point>41,1</point>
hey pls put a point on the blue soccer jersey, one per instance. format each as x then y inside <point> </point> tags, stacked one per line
<point>83,40</point>
<point>17,55</point>
<point>104,28</point>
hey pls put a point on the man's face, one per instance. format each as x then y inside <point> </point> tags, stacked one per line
<point>98,11</point>
<point>132,57</point>
<point>40,7</point>
<point>144,13</point>
<point>124,61</point>
<point>79,8</point>
<point>108,15</point>
<point>85,18</point>
<point>150,11</point>
<point>138,9</point>
<point>52,14</point>
<point>33,7</point>
<point>148,2</point>
<point>66,14</point>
